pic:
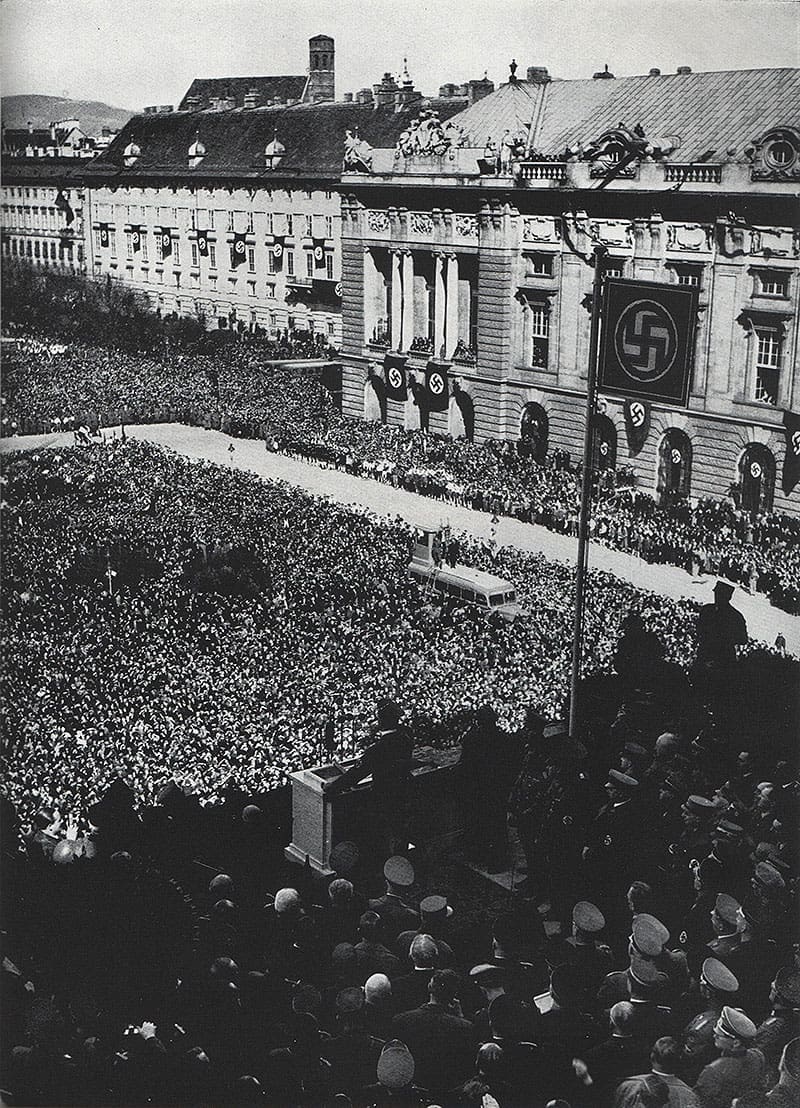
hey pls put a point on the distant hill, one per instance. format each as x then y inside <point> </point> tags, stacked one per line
<point>92,115</point>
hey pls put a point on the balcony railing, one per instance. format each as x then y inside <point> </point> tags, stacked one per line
<point>542,171</point>
<point>695,173</point>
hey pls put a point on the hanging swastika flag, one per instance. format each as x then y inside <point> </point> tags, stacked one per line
<point>436,395</point>
<point>648,340</point>
<point>637,423</point>
<point>105,237</point>
<point>791,463</point>
<point>394,373</point>
<point>202,243</point>
<point>136,238</point>
<point>319,253</point>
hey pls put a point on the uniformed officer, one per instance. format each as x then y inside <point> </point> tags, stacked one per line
<point>720,629</point>
<point>783,1022</point>
<point>718,986</point>
<point>591,956</point>
<point>396,914</point>
<point>610,855</point>
<point>739,1066</point>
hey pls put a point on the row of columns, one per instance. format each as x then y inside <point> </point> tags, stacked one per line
<point>445,302</point>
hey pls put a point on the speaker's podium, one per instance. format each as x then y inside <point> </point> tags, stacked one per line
<point>320,821</point>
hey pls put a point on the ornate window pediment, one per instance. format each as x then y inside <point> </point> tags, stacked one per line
<point>776,155</point>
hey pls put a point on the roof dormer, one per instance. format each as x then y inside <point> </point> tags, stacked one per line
<point>197,152</point>
<point>131,154</point>
<point>273,152</point>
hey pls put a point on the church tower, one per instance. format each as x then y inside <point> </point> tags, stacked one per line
<point>321,73</point>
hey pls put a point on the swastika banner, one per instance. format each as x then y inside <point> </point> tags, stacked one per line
<point>436,392</point>
<point>637,423</point>
<point>394,372</point>
<point>647,344</point>
<point>791,463</point>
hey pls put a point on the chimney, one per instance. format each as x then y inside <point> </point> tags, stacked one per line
<point>683,70</point>
<point>321,84</point>
<point>603,75</point>
<point>192,103</point>
<point>30,128</point>
<point>364,96</point>
<point>654,72</point>
<point>348,98</point>
<point>384,92</point>
<point>538,75</point>
<point>53,132</point>
<point>251,98</point>
<point>476,90</point>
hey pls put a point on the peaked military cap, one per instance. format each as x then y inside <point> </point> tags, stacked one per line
<point>735,1024</point>
<point>623,780</point>
<point>645,974</point>
<point>718,977</point>
<point>729,829</point>
<point>727,908</point>
<point>399,871</point>
<point>768,876</point>
<point>588,917</point>
<point>700,806</point>
<point>649,935</point>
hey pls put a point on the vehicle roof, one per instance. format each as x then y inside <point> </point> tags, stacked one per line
<point>459,574</point>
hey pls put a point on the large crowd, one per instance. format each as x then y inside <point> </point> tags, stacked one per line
<point>51,386</point>
<point>176,637</point>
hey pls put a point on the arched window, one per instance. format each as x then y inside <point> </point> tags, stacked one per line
<point>533,432</point>
<point>604,444</point>
<point>757,478</point>
<point>674,467</point>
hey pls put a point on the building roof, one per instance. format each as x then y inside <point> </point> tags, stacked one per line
<point>20,138</point>
<point>208,89</point>
<point>47,171</point>
<point>704,111</point>
<point>313,135</point>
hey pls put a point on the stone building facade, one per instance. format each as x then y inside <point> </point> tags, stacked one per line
<point>474,254</point>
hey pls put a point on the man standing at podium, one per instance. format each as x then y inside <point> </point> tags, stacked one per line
<point>388,759</point>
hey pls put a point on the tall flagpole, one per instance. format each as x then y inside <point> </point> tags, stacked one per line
<point>586,495</point>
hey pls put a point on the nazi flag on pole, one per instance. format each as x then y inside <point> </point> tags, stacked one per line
<point>791,462</point>
<point>394,373</point>
<point>319,253</point>
<point>436,393</point>
<point>165,238</point>
<point>104,235</point>
<point>277,250</point>
<point>202,243</point>
<point>637,424</point>
<point>647,346</point>
<point>136,238</point>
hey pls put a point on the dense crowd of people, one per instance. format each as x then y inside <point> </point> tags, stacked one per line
<point>55,386</point>
<point>177,636</point>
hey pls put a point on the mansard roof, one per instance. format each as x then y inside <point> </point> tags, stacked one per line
<point>235,140</point>
<point>208,89</point>
<point>707,112</point>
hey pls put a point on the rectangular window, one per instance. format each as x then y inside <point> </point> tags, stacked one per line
<point>270,223</point>
<point>176,251</point>
<point>144,246</point>
<point>231,221</point>
<point>177,280</point>
<point>194,255</point>
<point>97,238</point>
<point>273,320</point>
<point>271,268</point>
<point>768,364</point>
<point>251,288</point>
<point>251,259</point>
<point>540,335</point>
<point>773,283</point>
<point>541,265</point>
<point>331,329</point>
<point>329,226</point>
<point>249,223</point>
<point>614,267</point>
<point>193,219</point>
<point>690,276</point>
<point>289,224</point>
<point>309,226</point>
<point>211,215</point>
<point>290,263</point>
<point>159,251</point>
<point>128,245</point>
<point>309,263</point>
<point>329,266</point>
<point>174,217</point>
<point>212,255</point>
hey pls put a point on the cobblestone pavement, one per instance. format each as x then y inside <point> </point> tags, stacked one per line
<point>763,620</point>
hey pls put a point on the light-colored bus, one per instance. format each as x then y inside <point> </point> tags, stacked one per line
<point>470,586</point>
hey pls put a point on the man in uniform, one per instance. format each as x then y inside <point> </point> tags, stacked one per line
<point>786,1094</point>
<point>610,854</point>
<point>591,956</point>
<point>783,1022</point>
<point>720,629</point>
<point>739,1066</point>
<point>388,759</point>
<point>717,986</point>
<point>396,915</point>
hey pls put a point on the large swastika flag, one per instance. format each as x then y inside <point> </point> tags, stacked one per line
<point>648,340</point>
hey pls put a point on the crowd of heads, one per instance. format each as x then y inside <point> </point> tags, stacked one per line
<point>234,389</point>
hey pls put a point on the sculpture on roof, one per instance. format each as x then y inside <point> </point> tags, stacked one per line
<point>357,153</point>
<point>426,135</point>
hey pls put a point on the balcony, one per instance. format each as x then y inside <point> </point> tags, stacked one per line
<point>380,337</point>
<point>693,173</point>
<point>541,171</point>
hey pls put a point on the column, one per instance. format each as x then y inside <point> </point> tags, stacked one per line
<point>396,322</point>
<point>408,300</point>
<point>451,308</point>
<point>438,304</point>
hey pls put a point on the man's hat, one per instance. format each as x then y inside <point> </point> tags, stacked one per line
<point>435,909</point>
<point>487,975</point>
<point>399,871</point>
<point>622,780</point>
<point>395,1065</point>
<point>729,830</point>
<point>636,750</point>
<point>349,1001</point>
<point>728,909</point>
<point>787,986</point>
<point>718,977</point>
<point>287,900</point>
<point>724,589</point>
<point>587,917</point>
<point>644,974</point>
<point>768,876</point>
<point>700,806</point>
<point>735,1024</point>
<point>649,935</point>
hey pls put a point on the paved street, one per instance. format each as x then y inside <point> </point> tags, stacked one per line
<point>763,620</point>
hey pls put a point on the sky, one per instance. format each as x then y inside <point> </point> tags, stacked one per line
<point>130,53</point>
